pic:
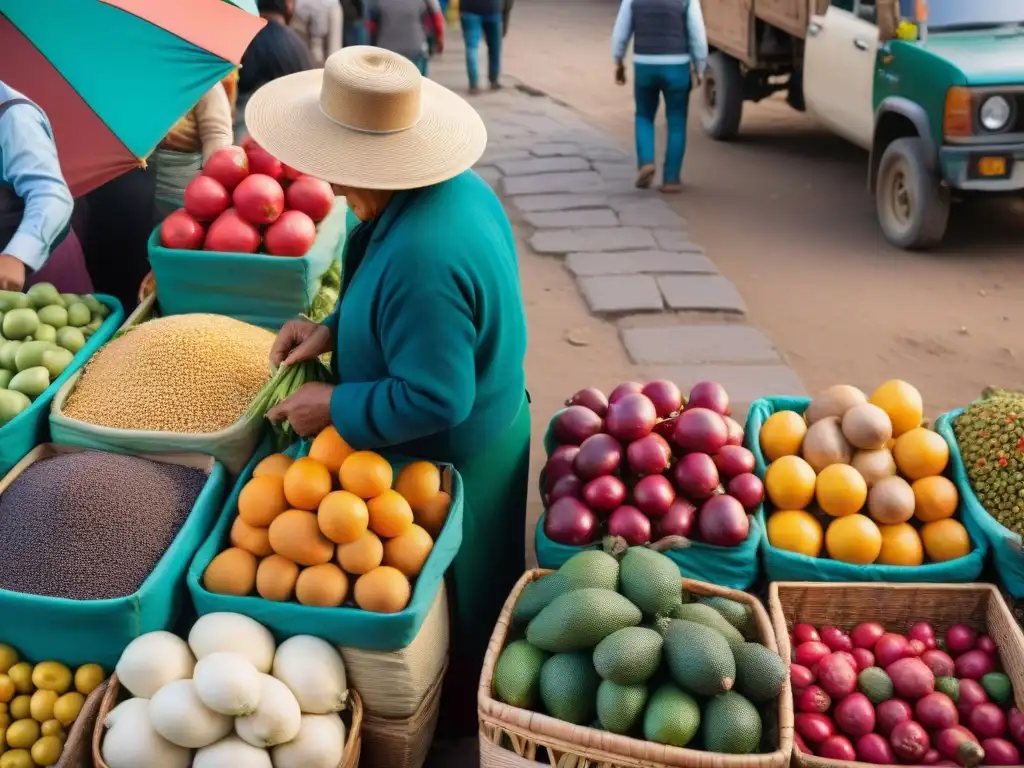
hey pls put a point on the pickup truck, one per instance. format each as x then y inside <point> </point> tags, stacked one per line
<point>932,89</point>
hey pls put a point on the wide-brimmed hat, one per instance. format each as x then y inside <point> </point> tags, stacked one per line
<point>368,120</point>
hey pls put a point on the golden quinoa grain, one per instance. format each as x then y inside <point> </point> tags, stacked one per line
<point>185,373</point>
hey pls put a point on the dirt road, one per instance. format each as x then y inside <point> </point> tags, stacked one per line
<point>785,214</point>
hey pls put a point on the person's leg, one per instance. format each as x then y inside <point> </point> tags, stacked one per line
<point>421,63</point>
<point>676,86</point>
<point>471,31</point>
<point>646,94</point>
<point>492,31</point>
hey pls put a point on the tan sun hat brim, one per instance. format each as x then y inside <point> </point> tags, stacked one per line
<point>285,118</point>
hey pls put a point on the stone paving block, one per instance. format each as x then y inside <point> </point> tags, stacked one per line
<point>558,202</point>
<point>563,241</point>
<point>489,174</point>
<point>638,262</point>
<point>697,293</point>
<point>621,295</point>
<point>644,215</point>
<point>744,383</point>
<point>673,239</point>
<point>606,152</point>
<point>691,344</point>
<point>587,217</point>
<point>627,198</point>
<point>573,181</point>
<point>543,165</point>
<point>616,171</point>
<point>556,150</point>
<point>540,124</point>
<point>502,155</point>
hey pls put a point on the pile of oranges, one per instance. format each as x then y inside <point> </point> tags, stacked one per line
<point>335,524</point>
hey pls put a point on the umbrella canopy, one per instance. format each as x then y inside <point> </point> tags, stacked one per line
<point>113,76</point>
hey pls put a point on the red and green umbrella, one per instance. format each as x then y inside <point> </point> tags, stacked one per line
<point>113,76</point>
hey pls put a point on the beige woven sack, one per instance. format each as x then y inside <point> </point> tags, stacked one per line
<point>405,742</point>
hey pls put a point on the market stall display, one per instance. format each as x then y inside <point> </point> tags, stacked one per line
<point>857,489</point>
<point>901,674</point>
<point>94,547</point>
<point>987,442</point>
<point>254,242</point>
<point>45,336</point>
<point>349,545</point>
<point>233,695</point>
<point>628,648</point>
<point>649,467</point>
<point>44,712</point>
<point>181,382</point>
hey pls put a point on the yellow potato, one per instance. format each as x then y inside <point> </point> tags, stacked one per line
<point>51,676</point>
<point>88,678</point>
<point>41,705</point>
<point>68,707</point>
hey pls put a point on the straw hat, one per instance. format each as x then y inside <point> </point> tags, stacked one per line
<point>368,120</point>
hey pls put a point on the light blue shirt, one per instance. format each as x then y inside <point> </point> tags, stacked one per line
<point>623,33</point>
<point>28,162</point>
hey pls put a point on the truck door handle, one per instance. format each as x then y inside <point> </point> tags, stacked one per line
<point>813,28</point>
<point>860,44</point>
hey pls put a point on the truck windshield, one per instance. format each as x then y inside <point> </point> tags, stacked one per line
<point>968,14</point>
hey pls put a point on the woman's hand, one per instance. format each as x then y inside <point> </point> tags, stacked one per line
<point>299,340</point>
<point>308,410</point>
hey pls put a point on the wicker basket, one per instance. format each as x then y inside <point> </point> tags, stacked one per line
<point>403,743</point>
<point>147,287</point>
<point>112,697</point>
<point>896,606</point>
<point>525,733</point>
<point>78,747</point>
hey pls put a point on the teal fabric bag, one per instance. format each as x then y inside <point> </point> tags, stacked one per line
<point>781,565</point>
<point>31,427</point>
<point>732,567</point>
<point>256,288</point>
<point>77,632</point>
<point>1006,545</point>
<point>347,625</point>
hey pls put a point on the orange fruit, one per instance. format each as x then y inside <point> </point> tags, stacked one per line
<point>232,572</point>
<point>782,434</point>
<point>390,514</point>
<point>343,517</point>
<point>920,453</point>
<point>945,540</point>
<point>900,545</point>
<point>383,590</point>
<point>245,536</point>
<point>409,551</point>
<point>296,535</point>
<point>275,578</point>
<point>795,530</point>
<point>306,483</point>
<point>789,482</point>
<point>262,499</point>
<point>330,449</point>
<point>853,539</point>
<point>418,482</point>
<point>362,555</point>
<point>841,490</point>
<point>903,404</point>
<point>936,498</point>
<point>431,514</point>
<point>274,464</point>
<point>325,586</point>
<point>366,474</point>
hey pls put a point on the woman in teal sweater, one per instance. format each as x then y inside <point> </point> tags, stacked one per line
<point>429,337</point>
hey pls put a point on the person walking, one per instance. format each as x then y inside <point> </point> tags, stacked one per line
<point>354,32</point>
<point>487,19</point>
<point>35,202</point>
<point>403,26</point>
<point>319,23</point>
<point>669,40</point>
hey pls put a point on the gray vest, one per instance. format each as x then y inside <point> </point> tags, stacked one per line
<point>659,28</point>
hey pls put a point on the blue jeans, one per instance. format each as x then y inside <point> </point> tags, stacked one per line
<point>489,26</point>
<point>355,33</point>
<point>421,64</point>
<point>650,83</point>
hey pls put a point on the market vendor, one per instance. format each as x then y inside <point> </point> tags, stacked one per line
<point>430,334</point>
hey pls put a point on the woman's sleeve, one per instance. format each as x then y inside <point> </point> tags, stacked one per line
<point>428,336</point>
<point>213,117</point>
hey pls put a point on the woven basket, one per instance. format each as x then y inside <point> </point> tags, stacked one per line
<point>147,287</point>
<point>896,606</point>
<point>403,743</point>
<point>112,697</point>
<point>78,747</point>
<point>525,733</point>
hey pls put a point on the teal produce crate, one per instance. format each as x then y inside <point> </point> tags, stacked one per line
<point>31,427</point>
<point>256,288</point>
<point>77,632</point>
<point>1006,545</point>
<point>346,625</point>
<point>732,567</point>
<point>781,565</point>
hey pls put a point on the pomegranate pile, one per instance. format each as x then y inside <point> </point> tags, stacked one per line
<point>245,201</point>
<point>646,464</point>
<point>886,698</point>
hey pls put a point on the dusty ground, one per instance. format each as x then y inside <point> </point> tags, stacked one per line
<point>785,215</point>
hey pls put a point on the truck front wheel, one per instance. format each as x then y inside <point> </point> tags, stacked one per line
<point>913,206</point>
<point>722,97</point>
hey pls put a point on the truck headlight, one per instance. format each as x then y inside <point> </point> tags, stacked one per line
<point>995,113</point>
